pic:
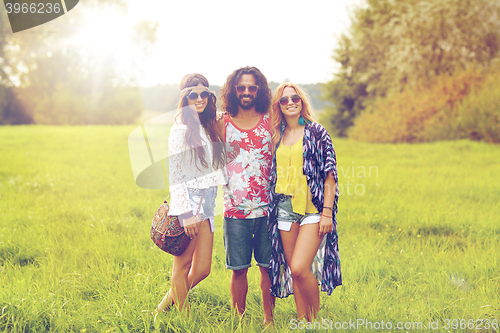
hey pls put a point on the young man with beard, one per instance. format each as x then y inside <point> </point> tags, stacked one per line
<point>246,98</point>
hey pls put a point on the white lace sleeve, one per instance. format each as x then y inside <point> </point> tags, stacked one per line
<point>179,197</point>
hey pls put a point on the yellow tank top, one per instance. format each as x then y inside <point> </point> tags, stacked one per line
<point>291,179</point>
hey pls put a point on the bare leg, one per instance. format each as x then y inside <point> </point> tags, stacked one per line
<point>202,258</point>
<point>198,262</point>
<point>239,289</point>
<point>289,238</point>
<point>268,301</point>
<point>179,282</point>
<point>306,247</point>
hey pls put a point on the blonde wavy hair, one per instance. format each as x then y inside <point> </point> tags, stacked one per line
<point>276,116</point>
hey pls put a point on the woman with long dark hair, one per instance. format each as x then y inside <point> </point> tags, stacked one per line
<point>196,168</point>
<point>303,206</point>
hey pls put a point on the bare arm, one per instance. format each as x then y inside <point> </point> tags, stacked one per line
<point>221,127</point>
<point>326,222</point>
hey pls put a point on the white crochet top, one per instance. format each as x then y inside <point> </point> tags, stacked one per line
<point>184,173</point>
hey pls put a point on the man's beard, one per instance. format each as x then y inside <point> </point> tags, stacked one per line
<point>246,105</point>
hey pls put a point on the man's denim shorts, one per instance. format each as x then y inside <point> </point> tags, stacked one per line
<point>241,237</point>
<point>286,216</point>
<point>207,209</point>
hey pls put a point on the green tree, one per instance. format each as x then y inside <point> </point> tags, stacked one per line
<point>11,109</point>
<point>4,61</point>
<point>392,44</point>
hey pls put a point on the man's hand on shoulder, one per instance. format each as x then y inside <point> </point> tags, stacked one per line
<point>220,115</point>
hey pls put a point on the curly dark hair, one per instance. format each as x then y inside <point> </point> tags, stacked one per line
<point>207,119</point>
<point>228,99</point>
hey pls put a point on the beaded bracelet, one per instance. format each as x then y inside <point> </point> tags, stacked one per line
<point>326,215</point>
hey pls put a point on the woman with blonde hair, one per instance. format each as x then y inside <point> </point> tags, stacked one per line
<point>196,168</point>
<point>303,206</point>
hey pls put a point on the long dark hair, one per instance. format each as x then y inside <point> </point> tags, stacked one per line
<point>207,118</point>
<point>229,101</point>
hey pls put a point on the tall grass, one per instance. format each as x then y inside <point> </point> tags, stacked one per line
<point>418,226</point>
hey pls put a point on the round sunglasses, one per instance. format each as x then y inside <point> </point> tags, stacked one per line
<point>295,99</point>
<point>252,89</point>
<point>193,95</point>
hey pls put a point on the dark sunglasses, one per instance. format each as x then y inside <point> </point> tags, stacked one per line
<point>193,95</point>
<point>295,99</point>
<point>241,88</point>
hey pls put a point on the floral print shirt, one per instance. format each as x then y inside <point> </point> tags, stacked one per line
<point>248,163</point>
<point>319,160</point>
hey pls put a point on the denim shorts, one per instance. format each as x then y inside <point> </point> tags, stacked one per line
<point>241,237</point>
<point>286,216</point>
<point>207,209</point>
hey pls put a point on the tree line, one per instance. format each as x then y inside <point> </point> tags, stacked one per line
<point>410,71</point>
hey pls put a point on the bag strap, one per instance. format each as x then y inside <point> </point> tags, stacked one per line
<point>201,200</point>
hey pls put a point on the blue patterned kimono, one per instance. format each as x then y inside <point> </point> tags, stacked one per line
<point>319,160</point>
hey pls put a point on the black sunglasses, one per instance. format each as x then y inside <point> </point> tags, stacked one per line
<point>193,95</point>
<point>295,99</point>
<point>241,88</point>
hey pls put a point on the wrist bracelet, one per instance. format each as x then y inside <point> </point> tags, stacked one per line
<point>326,215</point>
<point>328,208</point>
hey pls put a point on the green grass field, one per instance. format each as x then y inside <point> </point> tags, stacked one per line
<point>419,236</point>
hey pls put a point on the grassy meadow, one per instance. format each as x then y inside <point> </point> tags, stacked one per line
<point>418,225</point>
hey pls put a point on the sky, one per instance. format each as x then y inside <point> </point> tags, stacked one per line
<point>287,40</point>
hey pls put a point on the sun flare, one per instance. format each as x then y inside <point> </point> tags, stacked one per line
<point>106,33</point>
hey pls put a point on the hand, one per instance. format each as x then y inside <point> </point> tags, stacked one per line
<point>219,115</point>
<point>192,226</point>
<point>325,226</point>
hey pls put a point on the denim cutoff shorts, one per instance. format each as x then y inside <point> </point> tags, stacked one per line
<point>207,209</point>
<point>286,216</point>
<point>244,236</point>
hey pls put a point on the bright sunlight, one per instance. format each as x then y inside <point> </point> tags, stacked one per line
<point>107,34</point>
